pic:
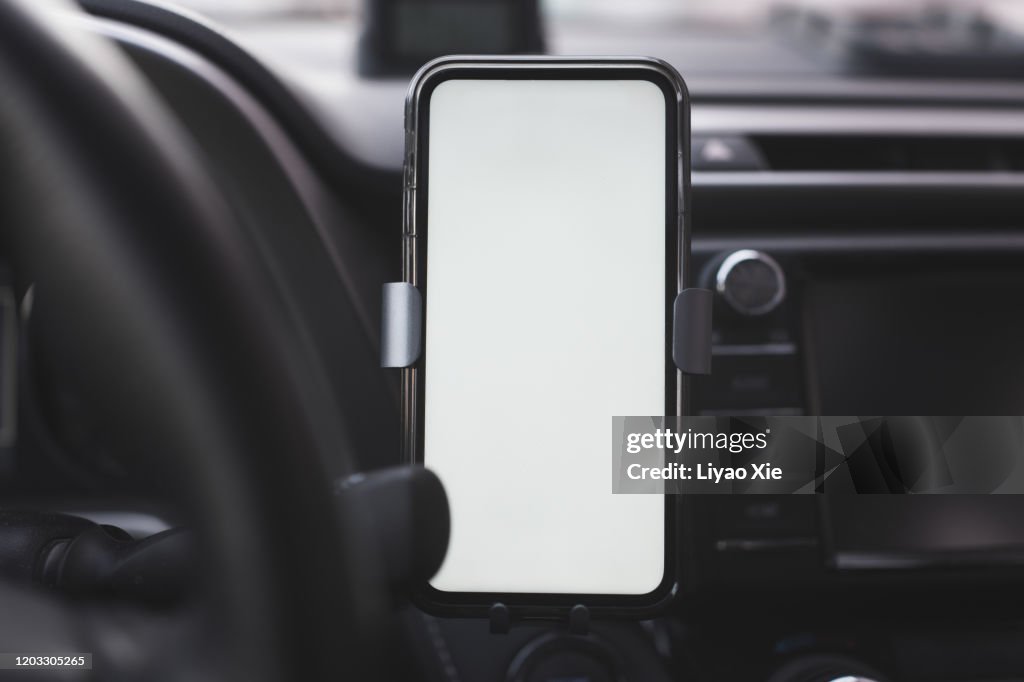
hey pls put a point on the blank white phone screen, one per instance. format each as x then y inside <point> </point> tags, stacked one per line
<point>545,316</point>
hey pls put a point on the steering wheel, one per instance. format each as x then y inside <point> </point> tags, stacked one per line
<point>170,327</point>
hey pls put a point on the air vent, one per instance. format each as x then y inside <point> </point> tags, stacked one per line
<point>890,153</point>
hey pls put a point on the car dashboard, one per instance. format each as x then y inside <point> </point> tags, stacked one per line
<point>864,241</point>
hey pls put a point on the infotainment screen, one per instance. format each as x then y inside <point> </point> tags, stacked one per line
<point>924,343</point>
<point>942,343</point>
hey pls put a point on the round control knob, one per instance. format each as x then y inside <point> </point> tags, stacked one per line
<point>751,282</point>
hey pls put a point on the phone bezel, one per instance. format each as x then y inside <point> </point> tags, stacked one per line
<point>415,245</point>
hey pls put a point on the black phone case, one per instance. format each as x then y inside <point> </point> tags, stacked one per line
<point>406,303</point>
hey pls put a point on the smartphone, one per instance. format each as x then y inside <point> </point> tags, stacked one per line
<point>545,226</point>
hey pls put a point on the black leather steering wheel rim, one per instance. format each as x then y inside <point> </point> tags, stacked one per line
<point>176,341</point>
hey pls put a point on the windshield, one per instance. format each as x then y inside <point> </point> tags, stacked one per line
<point>917,38</point>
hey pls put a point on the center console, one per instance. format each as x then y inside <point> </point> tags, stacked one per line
<point>835,300</point>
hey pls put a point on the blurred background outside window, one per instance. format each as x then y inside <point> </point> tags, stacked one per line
<point>946,38</point>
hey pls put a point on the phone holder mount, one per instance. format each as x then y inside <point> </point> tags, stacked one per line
<point>401,334</point>
<point>501,619</point>
<point>401,344</point>
<point>401,325</point>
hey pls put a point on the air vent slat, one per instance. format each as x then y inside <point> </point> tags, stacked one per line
<point>890,153</point>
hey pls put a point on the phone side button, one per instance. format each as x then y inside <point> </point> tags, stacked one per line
<point>410,168</point>
<point>681,181</point>
<point>409,210</point>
